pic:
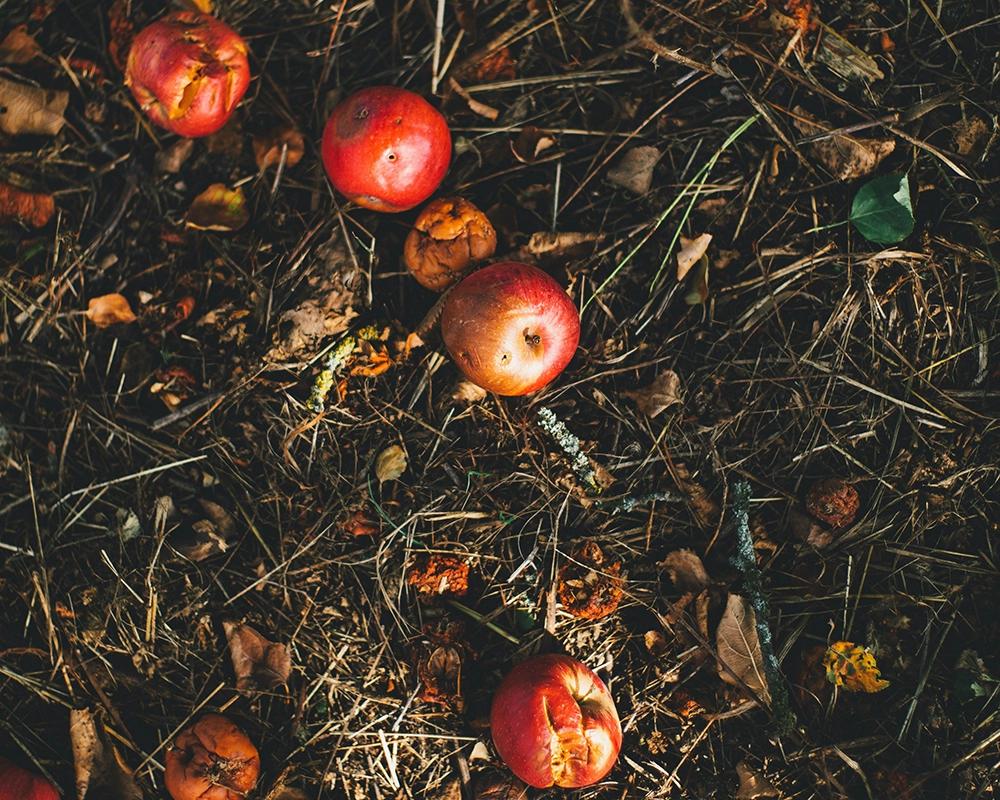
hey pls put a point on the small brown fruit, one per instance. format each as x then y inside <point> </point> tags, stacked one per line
<point>211,759</point>
<point>449,236</point>
<point>833,501</point>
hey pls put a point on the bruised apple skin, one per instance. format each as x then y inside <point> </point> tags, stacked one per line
<point>386,148</point>
<point>188,71</point>
<point>554,723</point>
<point>510,327</point>
<point>20,784</point>
<point>211,759</point>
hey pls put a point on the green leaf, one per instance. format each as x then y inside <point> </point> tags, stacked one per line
<point>882,211</point>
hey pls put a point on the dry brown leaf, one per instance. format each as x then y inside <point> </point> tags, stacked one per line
<point>656,642</point>
<point>228,141</point>
<point>109,309</point>
<point>706,511</point>
<point>845,157</point>
<point>699,285</point>
<point>218,208</point>
<point>686,571</point>
<point>172,158</point>
<point>283,792</point>
<point>31,208</point>
<point>753,785</point>
<point>475,106</point>
<point>204,537</point>
<point>969,134</point>
<point>31,109</point>
<point>101,774</point>
<point>468,392</point>
<point>18,46</point>
<point>634,171</point>
<point>561,244</point>
<point>390,464</point>
<point>739,647</point>
<point>268,147</point>
<point>662,393</point>
<point>530,143</point>
<point>258,662</point>
<point>691,252</point>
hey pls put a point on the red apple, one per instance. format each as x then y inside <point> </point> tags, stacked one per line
<point>188,71</point>
<point>510,327</point>
<point>554,723</point>
<point>386,148</point>
<point>20,784</point>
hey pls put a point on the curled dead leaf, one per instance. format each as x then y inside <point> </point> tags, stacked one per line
<point>634,170</point>
<point>391,463</point>
<point>101,773</point>
<point>845,157</point>
<point>691,253</point>
<point>468,392</point>
<point>218,208</point>
<point>686,571</point>
<point>172,158</point>
<point>258,662</point>
<point>739,648</point>
<point>31,208</point>
<point>18,46</point>
<point>530,143</point>
<point>561,244</point>
<point>753,785</point>
<point>495,66</point>
<point>285,141</point>
<point>31,109</point>
<point>662,393</point>
<point>109,309</point>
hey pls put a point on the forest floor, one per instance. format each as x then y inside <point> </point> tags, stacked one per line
<point>165,479</point>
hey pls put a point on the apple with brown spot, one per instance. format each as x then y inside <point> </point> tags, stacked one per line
<point>554,723</point>
<point>510,327</point>
<point>188,71</point>
<point>386,148</point>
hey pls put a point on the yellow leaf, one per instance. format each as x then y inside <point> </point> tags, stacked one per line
<point>109,309</point>
<point>853,667</point>
<point>218,208</point>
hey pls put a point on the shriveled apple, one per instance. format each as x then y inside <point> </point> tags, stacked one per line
<point>554,723</point>
<point>386,148</point>
<point>188,71</point>
<point>212,759</point>
<point>448,238</point>
<point>510,327</point>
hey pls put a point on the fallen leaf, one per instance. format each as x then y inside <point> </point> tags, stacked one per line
<point>468,392</point>
<point>844,58</point>
<point>108,310</point>
<point>18,46</point>
<point>656,642</point>
<point>269,147</point>
<point>200,537</point>
<point>699,285</point>
<point>706,511</point>
<point>853,667</point>
<point>227,142</point>
<point>691,253</point>
<point>31,208</point>
<point>662,393</point>
<point>31,109</point>
<point>101,774</point>
<point>739,647</point>
<point>882,210</point>
<point>845,157</point>
<point>970,679</point>
<point>634,171</point>
<point>122,31</point>
<point>258,662</point>
<point>969,134</point>
<point>218,208</point>
<point>808,530</point>
<point>530,143</point>
<point>172,158</point>
<point>496,66</point>
<point>753,785</point>
<point>390,464</point>
<point>475,106</point>
<point>561,244</point>
<point>126,525</point>
<point>686,571</point>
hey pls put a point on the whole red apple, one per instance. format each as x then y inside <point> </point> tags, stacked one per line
<point>554,723</point>
<point>510,327</point>
<point>20,784</point>
<point>188,71</point>
<point>386,148</point>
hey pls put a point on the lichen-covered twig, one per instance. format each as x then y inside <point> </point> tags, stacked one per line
<point>745,559</point>
<point>623,505</point>
<point>334,362</point>
<point>569,443</point>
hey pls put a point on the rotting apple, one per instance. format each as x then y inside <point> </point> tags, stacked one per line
<point>449,236</point>
<point>17,783</point>
<point>188,71</point>
<point>510,327</point>
<point>386,148</point>
<point>211,759</point>
<point>554,723</point>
